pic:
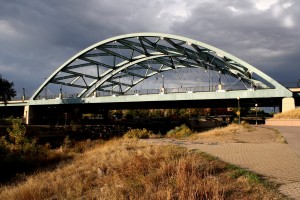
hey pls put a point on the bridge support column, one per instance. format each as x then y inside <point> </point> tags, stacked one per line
<point>26,118</point>
<point>288,104</point>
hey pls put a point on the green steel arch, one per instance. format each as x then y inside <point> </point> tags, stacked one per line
<point>127,60</point>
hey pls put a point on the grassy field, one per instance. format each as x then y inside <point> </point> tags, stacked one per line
<point>292,114</point>
<point>130,169</point>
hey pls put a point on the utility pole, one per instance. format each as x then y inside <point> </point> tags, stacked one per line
<point>23,98</point>
<point>256,114</point>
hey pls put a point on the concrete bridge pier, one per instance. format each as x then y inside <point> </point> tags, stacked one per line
<point>288,103</point>
<point>26,114</point>
<point>30,114</point>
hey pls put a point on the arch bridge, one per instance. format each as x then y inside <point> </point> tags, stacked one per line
<point>156,70</point>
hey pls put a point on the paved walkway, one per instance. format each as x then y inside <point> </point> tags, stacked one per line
<point>275,161</point>
<point>292,136</point>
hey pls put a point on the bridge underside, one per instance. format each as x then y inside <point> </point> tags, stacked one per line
<point>40,112</point>
<point>168,104</point>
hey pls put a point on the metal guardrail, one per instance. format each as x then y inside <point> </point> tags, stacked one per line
<point>157,91</point>
<point>151,91</point>
<point>20,98</point>
<point>213,88</point>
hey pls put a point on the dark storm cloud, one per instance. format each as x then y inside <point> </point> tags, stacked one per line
<point>267,39</point>
<point>40,35</point>
<point>37,36</point>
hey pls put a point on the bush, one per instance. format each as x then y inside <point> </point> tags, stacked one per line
<point>138,133</point>
<point>179,132</point>
<point>17,132</point>
<point>19,153</point>
<point>21,145</point>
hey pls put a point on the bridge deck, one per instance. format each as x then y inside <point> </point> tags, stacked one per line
<point>294,89</point>
<point>257,96</point>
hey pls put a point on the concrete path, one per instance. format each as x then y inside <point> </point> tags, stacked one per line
<point>292,136</point>
<point>276,161</point>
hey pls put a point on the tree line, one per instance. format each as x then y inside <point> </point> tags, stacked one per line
<point>7,90</point>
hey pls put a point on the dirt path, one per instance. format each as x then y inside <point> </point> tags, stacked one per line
<point>260,150</point>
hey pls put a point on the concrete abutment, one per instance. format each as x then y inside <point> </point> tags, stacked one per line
<point>288,103</point>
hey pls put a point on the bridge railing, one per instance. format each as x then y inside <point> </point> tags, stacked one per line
<point>20,98</point>
<point>157,91</point>
<point>212,88</point>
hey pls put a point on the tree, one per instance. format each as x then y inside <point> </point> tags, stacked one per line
<point>6,90</point>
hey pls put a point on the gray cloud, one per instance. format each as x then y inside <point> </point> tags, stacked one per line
<point>262,38</point>
<point>37,36</point>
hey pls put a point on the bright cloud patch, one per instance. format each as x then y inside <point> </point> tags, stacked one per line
<point>6,30</point>
<point>288,22</point>
<point>264,4</point>
<point>233,9</point>
<point>177,9</point>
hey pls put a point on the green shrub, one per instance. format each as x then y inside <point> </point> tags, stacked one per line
<point>17,132</point>
<point>18,143</point>
<point>243,172</point>
<point>19,153</point>
<point>179,132</point>
<point>138,133</point>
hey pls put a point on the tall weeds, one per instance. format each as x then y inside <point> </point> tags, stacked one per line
<point>129,169</point>
<point>292,114</point>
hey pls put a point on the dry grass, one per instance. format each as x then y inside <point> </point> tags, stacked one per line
<point>279,136</point>
<point>243,133</point>
<point>291,114</point>
<point>222,131</point>
<point>129,169</point>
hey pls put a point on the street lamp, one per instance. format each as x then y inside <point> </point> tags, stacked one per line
<point>23,94</point>
<point>256,114</point>
<point>45,88</point>
<point>162,90</point>
<point>60,90</point>
<point>239,110</point>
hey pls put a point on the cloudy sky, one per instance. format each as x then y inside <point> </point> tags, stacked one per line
<point>37,36</point>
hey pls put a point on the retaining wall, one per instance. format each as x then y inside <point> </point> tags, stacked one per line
<point>283,122</point>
